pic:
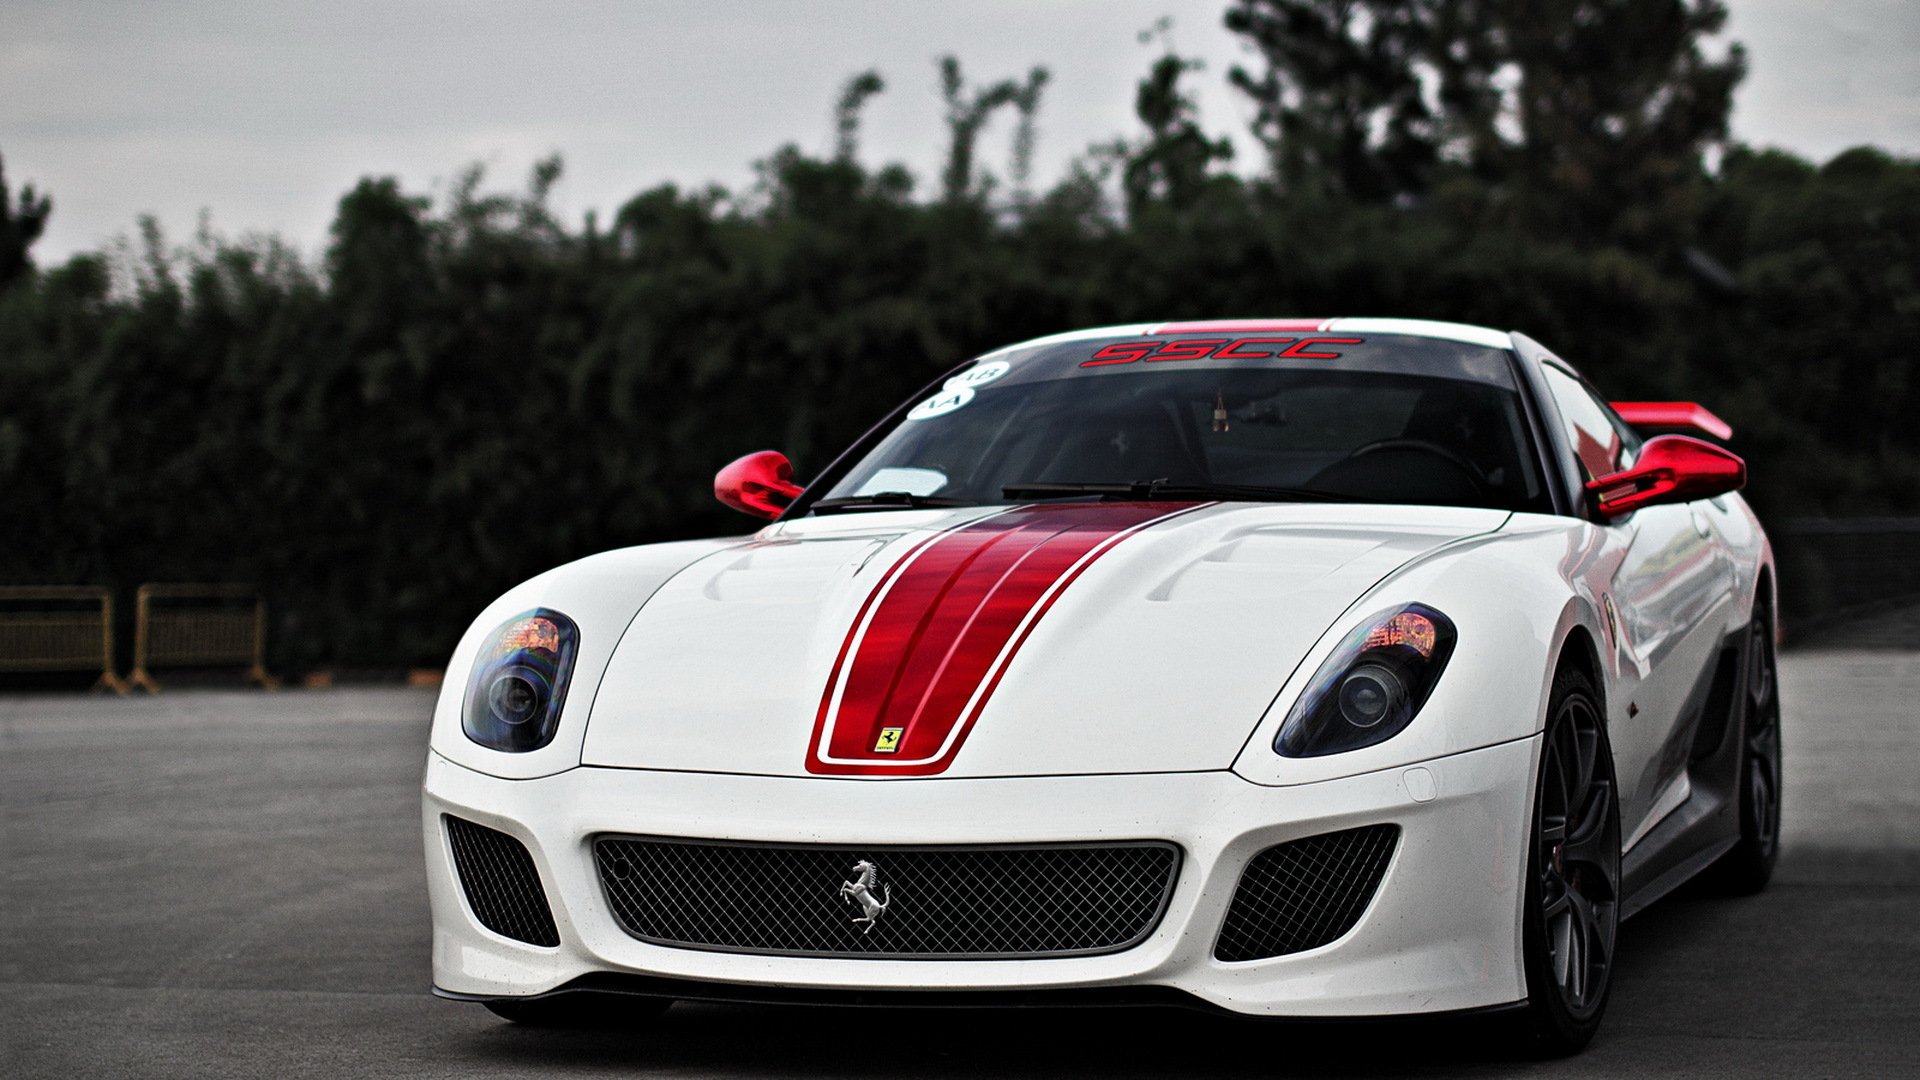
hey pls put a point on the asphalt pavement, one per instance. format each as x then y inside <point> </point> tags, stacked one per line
<point>228,883</point>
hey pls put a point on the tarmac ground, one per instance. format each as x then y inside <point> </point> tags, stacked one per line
<point>216,883</point>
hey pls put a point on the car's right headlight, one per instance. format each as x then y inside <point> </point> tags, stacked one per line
<point>519,682</point>
<point>1372,686</point>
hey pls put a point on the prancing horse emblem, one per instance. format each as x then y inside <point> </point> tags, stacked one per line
<point>860,891</point>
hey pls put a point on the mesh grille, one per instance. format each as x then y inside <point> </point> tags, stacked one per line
<point>952,902</point>
<point>1306,893</point>
<point>502,887</point>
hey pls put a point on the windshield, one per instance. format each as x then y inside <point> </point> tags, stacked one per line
<point>1374,418</point>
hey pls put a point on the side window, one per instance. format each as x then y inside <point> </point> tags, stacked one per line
<point>1630,439</point>
<point>1589,425</point>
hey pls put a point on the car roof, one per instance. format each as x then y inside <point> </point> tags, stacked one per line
<point>1431,328</point>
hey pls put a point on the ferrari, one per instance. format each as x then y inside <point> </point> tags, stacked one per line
<point>1349,667</point>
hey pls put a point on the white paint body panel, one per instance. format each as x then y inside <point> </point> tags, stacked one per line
<point>601,594</point>
<point>1433,328</point>
<point>1440,936</point>
<point>724,669</point>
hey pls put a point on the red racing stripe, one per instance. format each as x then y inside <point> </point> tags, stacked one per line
<point>935,635</point>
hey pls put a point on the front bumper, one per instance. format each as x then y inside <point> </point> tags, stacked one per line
<point>1442,934</point>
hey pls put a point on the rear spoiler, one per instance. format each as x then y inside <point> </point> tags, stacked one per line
<point>1673,416</point>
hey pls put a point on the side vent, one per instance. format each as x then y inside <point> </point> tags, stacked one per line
<point>1305,893</point>
<point>501,884</point>
<point>1716,714</point>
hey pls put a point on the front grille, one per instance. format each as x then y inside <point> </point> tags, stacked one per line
<point>1306,893</point>
<point>942,902</point>
<point>501,884</point>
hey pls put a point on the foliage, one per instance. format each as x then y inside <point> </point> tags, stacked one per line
<point>1584,117</point>
<point>21,223</point>
<point>463,393</point>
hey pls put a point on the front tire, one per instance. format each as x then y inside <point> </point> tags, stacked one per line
<point>1571,917</point>
<point>580,1009</point>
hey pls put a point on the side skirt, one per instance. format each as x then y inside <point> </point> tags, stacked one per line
<point>1707,824</point>
<point>1674,877</point>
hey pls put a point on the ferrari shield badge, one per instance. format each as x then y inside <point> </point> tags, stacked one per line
<point>859,893</point>
<point>889,740</point>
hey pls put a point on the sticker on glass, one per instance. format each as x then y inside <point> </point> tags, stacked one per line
<point>913,481</point>
<point>942,403</point>
<point>980,375</point>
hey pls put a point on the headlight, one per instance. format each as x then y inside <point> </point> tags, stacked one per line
<point>519,682</point>
<point>1369,690</point>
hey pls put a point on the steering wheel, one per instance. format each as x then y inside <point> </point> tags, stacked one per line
<point>1451,457</point>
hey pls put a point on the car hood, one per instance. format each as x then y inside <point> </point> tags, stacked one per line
<point>994,641</point>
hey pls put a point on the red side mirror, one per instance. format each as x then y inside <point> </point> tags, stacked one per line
<point>760,484</point>
<point>1670,469</point>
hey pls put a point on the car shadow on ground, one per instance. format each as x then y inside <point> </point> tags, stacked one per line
<point>806,1041</point>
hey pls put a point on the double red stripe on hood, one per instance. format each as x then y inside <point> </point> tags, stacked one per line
<point>935,635</point>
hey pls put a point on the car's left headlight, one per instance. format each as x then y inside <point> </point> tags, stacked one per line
<point>1372,685</point>
<point>519,682</point>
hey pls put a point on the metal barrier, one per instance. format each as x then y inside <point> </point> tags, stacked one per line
<point>1830,565</point>
<point>59,628</point>
<point>199,626</point>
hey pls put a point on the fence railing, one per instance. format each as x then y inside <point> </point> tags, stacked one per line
<point>59,628</point>
<point>1830,565</point>
<point>199,626</point>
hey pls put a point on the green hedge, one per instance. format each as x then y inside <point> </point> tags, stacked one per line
<point>461,395</point>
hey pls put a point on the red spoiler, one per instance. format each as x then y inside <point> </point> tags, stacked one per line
<point>1673,416</point>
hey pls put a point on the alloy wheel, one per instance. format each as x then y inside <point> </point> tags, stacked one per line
<point>1577,856</point>
<point>1763,746</point>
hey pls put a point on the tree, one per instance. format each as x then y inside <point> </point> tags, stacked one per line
<point>1340,104</point>
<point>379,258</point>
<point>1818,363</point>
<point>1588,119</point>
<point>846,112</point>
<point>21,223</point>
<point>1026,102</point>
<point>1612,107</point>
<point>1175,161</point>
<point>968,112</point>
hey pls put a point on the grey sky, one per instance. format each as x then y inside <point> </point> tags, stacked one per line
<point>266,112</point>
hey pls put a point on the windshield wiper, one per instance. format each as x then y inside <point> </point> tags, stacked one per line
<point>1152,490</point>
<point>886,500</point>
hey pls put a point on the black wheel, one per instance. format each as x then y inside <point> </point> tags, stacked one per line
<point>1748,866</point>
<point>581,1010</point>
<point>1572,912</point>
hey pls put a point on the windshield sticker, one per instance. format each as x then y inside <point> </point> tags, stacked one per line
<point>908,478</point>
<point>980,375</point>
<point>1246,348</point>
<point>942,403</point>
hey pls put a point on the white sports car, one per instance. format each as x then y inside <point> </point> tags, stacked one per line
<point>1313,668</point>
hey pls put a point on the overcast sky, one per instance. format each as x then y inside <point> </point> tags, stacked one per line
<point>266,112</point>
